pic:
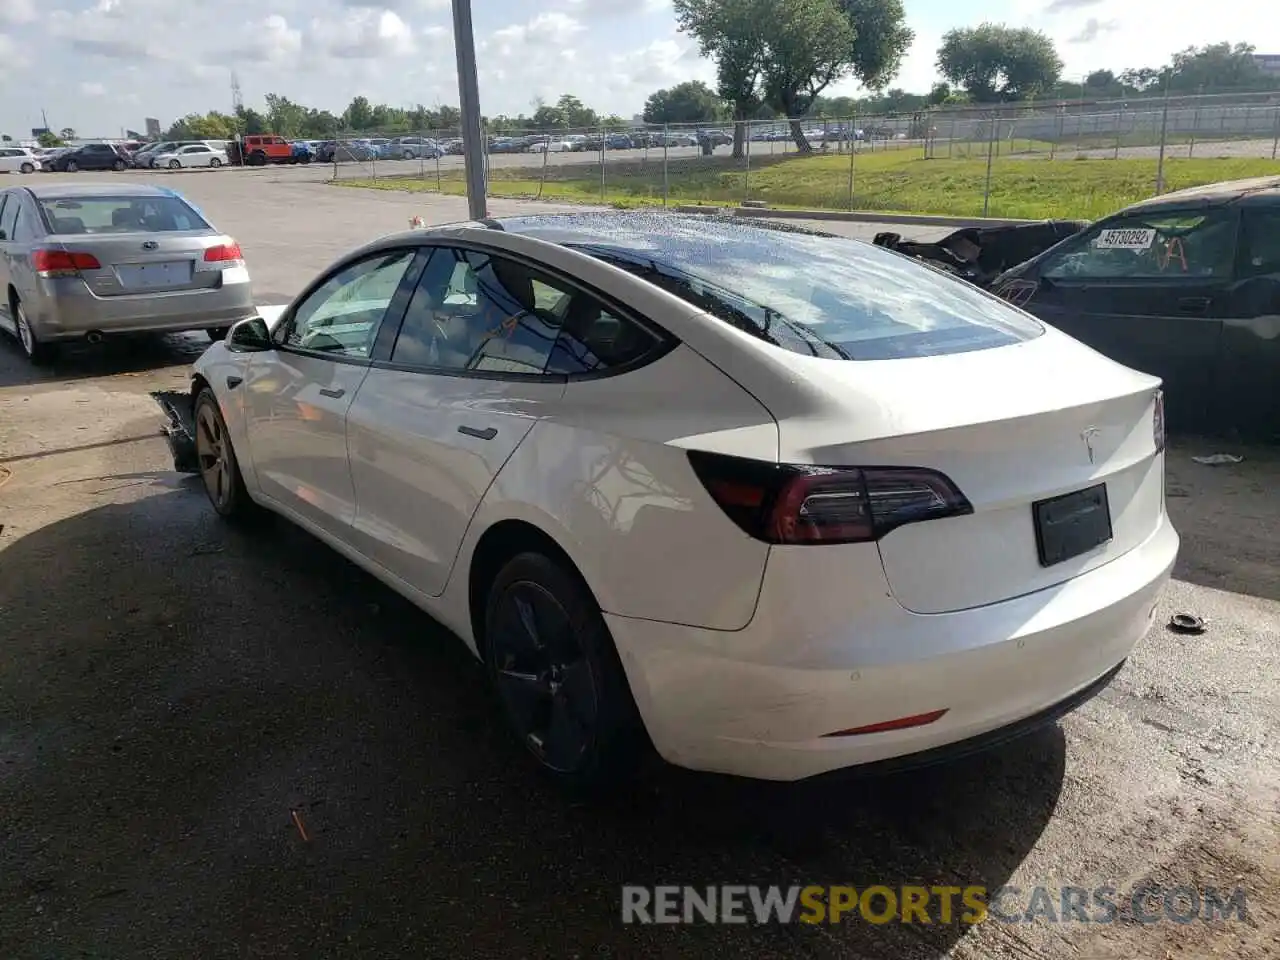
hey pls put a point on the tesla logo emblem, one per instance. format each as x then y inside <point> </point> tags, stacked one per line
<point>150,245</point>
<point>1088,435</point>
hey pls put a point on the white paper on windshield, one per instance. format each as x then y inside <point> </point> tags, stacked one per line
<point>1126,239</point>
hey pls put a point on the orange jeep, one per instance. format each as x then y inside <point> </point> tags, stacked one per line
<point>261,149</point>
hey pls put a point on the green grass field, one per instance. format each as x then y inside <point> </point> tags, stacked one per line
<point>892,181</point>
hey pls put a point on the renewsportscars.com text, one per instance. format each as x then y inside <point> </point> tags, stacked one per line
<point>816,904</point>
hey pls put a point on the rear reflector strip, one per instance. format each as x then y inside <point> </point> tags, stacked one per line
<point>902,723</point>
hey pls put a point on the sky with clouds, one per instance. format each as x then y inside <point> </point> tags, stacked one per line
<point>103,65</point>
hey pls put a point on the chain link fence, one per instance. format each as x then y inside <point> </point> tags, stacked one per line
<point>1016,160</point>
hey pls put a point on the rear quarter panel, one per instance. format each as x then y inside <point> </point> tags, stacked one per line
<point>606,475</point>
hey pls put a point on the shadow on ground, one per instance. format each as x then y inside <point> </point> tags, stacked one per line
<point>80,360</point>
<point>171,691</point>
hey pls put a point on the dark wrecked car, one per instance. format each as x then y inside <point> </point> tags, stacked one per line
<point>1185,286</point>
<point>981,254</point>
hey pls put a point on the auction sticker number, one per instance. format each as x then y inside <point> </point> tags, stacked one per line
<point>1129,239</point>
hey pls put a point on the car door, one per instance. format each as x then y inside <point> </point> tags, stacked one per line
<point>296,397</point>
<point>10,160</point>
<point>1147,290</point>
<point>196,156</point>
<point>1245,391</point>
<point>432,424</point>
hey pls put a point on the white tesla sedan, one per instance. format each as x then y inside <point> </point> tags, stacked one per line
<point>776,502</point>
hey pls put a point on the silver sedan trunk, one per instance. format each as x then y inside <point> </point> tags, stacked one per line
<point>94,260</point>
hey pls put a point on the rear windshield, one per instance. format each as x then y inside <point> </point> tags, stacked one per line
<point>821,296</point>
<point>120,215</point>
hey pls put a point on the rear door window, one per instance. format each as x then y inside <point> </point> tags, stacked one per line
<point>1259,244</point>
<point>9,215</point>
<point>1161,245</point>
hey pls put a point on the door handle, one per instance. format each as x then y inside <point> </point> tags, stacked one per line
<point>488,433</point>
<point>332,393</point>
<point>233,382</point>
<point>1193,304</point>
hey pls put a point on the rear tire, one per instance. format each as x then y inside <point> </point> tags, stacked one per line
<point>257,159</point>
<point>215,162</point>
<point>551,660</point>
<point>72,167</point>
<point>38,353</point>
<point>216,458</point>
<point>175,164</point>
<point>28,168</point>
<point>117,166</point>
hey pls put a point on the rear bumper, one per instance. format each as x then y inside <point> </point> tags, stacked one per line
<point>67,309</point>
<point>829,650</point>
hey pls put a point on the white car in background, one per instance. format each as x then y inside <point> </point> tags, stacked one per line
<point>778,503</point>
<point>18,160</point>
<point>192,155</point>
<point>551,145</point>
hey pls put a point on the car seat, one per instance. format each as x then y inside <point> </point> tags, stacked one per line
<point>68,225</point>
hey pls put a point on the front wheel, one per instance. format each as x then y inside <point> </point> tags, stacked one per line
<point>117,165</point>
<point>175,164</point>
<point>219,469</point>
<point>215,162</point>
<point>73,167</point>
<point>553,664</point>
<point>28,168</point>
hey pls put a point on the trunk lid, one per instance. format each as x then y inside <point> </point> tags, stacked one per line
<point>140,263</point>
<point>1011,427</point>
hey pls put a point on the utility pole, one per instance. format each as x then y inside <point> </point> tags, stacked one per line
<point>464,43</point>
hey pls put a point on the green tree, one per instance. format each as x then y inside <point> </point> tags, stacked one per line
<point>1140,79</point>
<point>49,139</point>
<point>576,114</point>
<point>689,102</point>
<point>249,121</point>
<point>731,33</point>
<point>359,114</point>
<point>784,53</point>
<point>284,116</point>
<point>1217,67</point>
<point>994,62</point>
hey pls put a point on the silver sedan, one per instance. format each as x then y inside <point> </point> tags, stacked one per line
<point>83,261</point>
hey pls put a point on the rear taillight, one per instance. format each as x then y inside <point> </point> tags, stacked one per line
<point>223,253</point>
<point>1157,421</point>
<point>62,263</point>
<point>796,503</point>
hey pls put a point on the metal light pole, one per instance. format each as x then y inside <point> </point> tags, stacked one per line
<point>464,43</point>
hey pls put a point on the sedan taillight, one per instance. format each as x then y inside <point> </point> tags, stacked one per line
<point>802,504</point>
<point>50,264</point>
<point>223,253</point>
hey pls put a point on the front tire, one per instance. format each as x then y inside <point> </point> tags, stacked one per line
<point>215,162</point>
<point>219,469</point>
<point>38,353</point>
<point>175,165</point>
<point>28,168</point>
<point>551,660</point>
<point>72,167</point>
<point>117,166</point>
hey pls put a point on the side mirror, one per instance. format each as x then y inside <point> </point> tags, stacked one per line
<point>251,335</point>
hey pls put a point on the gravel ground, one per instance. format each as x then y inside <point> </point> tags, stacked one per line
<point>173,692</point>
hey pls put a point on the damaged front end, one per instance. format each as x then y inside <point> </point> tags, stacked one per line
<point>981,254</point>
<point>179,428</point>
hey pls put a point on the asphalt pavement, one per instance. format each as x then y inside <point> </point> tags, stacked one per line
<point>217,743</point>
